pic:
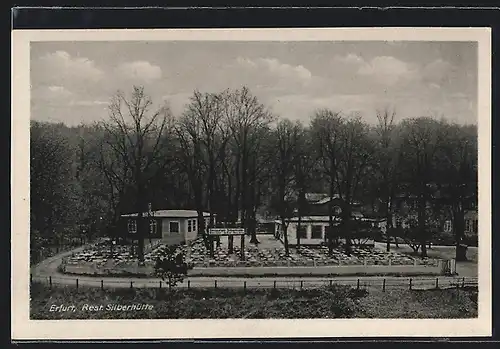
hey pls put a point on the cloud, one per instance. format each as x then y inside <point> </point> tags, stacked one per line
<point>61,67</point>
<point>85,103</point>
<point>438,71</point>
<point>142,70</point>
<point>350,58</point>
<point>272,66</point>
<point>51,94</point>
<point>388,70</point>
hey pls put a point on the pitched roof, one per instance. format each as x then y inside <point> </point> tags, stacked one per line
<point>315,196</point>
<point>470,215</point>
<point>327,199</point>
<point>170,214</point>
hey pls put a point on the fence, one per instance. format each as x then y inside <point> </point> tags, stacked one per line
<point>382,284</point>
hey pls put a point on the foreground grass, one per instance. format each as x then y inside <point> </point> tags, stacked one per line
<point>327,302</point>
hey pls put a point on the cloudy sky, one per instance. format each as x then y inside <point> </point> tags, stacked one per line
<point>72,82</point>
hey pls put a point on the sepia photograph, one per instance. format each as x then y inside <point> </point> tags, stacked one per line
<point>190,177</point>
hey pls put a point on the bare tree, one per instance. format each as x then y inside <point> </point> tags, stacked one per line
<point>387,157</point>
<point>286,136</point>
<point>246,117</point>
<point>421,139</point>
<point>354,165</point>
<point>326,129</point>
<point>457,166</point>
<point>304,164</point>
<point>136,136</point>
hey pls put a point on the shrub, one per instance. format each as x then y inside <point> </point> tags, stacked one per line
<point>171,267</point>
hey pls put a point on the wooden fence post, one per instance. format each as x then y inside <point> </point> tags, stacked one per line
<point>50,282</point>
<point>383,286</point>
<point>301,284</point>
<point>131,284</point>
<point>215,283</point>
<point>437,282</point>
<point>463,282</point>
<point>274,284</point>
<point>189,284</point>
<point>102,284</point>
<point>160,284</point>
<point>244,285</point>
<point>357,286</point>
<point>410,283</point>
<point>331,283</point>
<point>77,283</point>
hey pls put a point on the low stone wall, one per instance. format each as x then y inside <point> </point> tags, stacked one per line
<point>89,269</point>
<point>347,270</point>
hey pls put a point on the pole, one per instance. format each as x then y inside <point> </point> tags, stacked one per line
<point>102,284</point>
<point>357,286</point>
<point>437,282</point>
<point>383,286</point>
<point>242,247</point>
<point>410,283</point>
<point>50,282</point>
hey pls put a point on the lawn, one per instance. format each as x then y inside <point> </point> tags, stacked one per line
<point>326,302</point>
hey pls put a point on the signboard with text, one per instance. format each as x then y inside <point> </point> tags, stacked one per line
<point>226,231</point>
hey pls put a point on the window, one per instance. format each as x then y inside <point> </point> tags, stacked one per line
<point>317,232</point>
<point>447,226</point>
<point>194,225</point>
<point>302,232</point>
<point>152,227</point>
<point>174,227</point>
<point>132,226</point>
<point>190,226</point>
<point>468,226</point>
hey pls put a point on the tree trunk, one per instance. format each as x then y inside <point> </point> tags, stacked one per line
<point>285,236</point>
<point>330,218</point>
<point>299,224</point>
<point>421,225</point>
<point>346,225</point>
<point>458,229</point>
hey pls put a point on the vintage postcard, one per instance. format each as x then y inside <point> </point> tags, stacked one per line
<point>251,183</point>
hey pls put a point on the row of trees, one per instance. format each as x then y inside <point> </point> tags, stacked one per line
<point>229,155</point>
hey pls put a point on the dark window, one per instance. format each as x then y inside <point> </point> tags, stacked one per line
<point>132,226</point>
<point>302,232</point>
<point>174,227</point>
<point>190,225</point>
<point>317,232</point>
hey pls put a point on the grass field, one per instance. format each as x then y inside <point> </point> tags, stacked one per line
<point>328,302</point>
